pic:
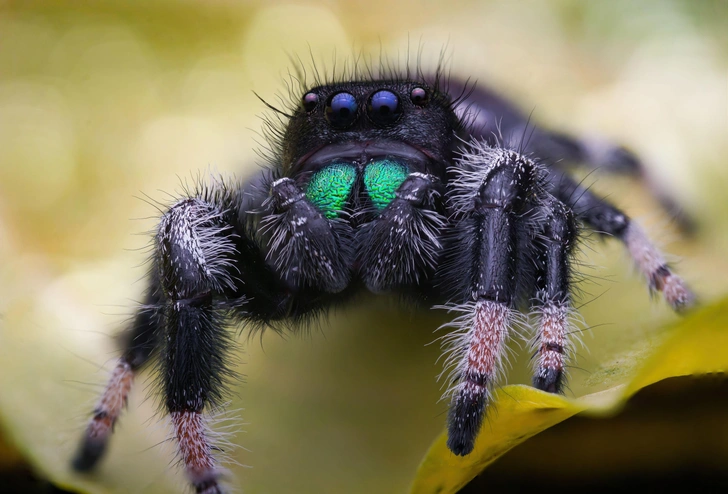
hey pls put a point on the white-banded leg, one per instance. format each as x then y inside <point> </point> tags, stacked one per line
<point>495,195</point>
<point>192,434</point>
<point>106,413</point>
<point>142,341</point>
<point>552,301</point>
<point>651,263</point>
<point>195,259</point>
<point>607,219</point>
<point>475,350</point>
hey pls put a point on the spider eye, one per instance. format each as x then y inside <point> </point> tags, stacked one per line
<point>341,110</point>
<point>384,107</point>
<point>419,96</point>
<point>310,101</point>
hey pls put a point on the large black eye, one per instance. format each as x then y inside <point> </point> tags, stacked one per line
<point>384,107</point>
<point>341,110</point>
<point>310,100</point>
<point>418,96</point>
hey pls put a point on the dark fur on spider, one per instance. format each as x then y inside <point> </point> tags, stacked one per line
<point>398,186</point>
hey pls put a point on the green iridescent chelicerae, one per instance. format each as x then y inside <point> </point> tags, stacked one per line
<point>382,178</point>
<point>330,187</point>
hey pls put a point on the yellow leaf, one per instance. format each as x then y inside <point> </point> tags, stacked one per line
<point>518,412</point>
<point>697,344</point>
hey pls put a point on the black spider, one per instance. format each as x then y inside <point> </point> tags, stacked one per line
<point>390,186</point>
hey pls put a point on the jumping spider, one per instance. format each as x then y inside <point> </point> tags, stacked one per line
<point>399,185</point>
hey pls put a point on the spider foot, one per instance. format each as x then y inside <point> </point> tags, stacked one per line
<point>480,347</point>
<point>652,264</point>
<point>107,411</point>
<point>550,343</point>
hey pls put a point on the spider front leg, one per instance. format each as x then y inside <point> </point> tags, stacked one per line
<point>182,315</point>
<point>195,253</point>
<point>209,262</point>
<point>494,196</point>
<point>198,258</point>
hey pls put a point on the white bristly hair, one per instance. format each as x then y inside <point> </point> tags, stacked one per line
<point>477,343</point>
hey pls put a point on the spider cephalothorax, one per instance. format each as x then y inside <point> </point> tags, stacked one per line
<point>396,116</point>
<point>390,186</point>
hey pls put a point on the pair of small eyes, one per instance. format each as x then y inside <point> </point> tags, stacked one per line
<point>383,107</point>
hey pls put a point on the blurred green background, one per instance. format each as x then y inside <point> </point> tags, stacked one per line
<point>104,103</point>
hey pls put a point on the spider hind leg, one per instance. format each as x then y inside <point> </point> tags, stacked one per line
<point>494,118</point>
<point>600,154</point>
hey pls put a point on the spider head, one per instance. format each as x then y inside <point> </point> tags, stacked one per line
<point>358,122</point>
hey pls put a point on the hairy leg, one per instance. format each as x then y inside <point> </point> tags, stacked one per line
<point>196,257</point>
<point>211,261</point>
<point>496,119</point>
<point>607,219</point>
<point>552,302</point>
<point>493,229</point>
<point>603,155</point>
<point>142,340</point>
